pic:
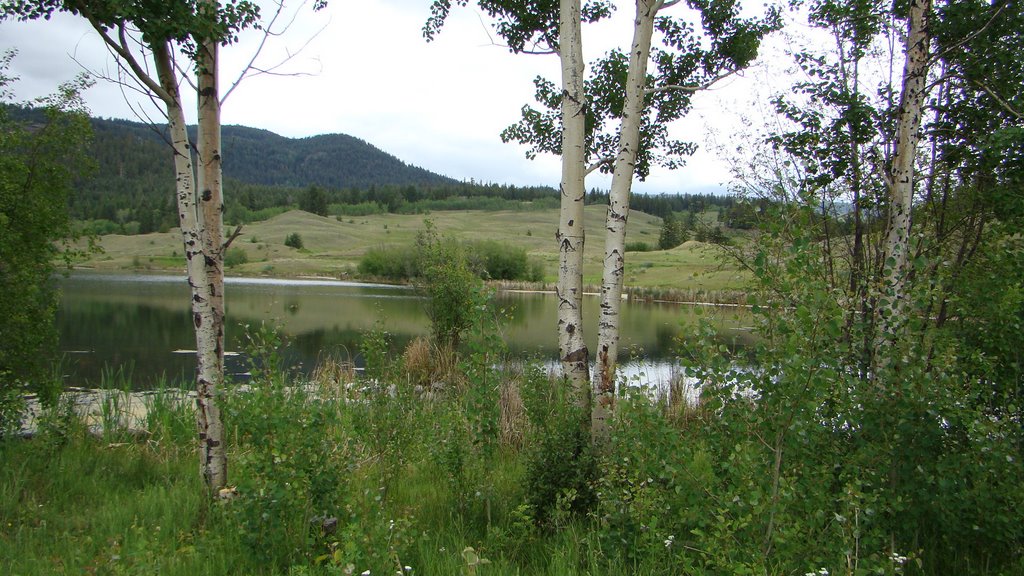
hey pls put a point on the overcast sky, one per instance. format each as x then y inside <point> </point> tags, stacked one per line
<point>438,105</point>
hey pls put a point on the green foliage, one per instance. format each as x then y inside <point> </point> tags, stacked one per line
<point>497,261</point>
<point>560,467</point>
<point>390,262</point>
<point>293,240</point>
<point>726,42</point>
<point>652,490</point>
<point>451,286</point>
<point>236,257</point>
<point>673,233</point>
<point>314,201</point>
<point>38,166</point>
<point>486,259</point>
<point>638,247</point>
<point>810,452</point>
<point>291,476</point>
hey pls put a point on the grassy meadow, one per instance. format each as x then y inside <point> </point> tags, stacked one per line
<point>333,246</point>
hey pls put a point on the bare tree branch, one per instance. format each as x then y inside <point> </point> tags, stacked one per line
<point>1003,103</point>
<point>270,31</point>
<point>184,74</point>
<point>122,50</point>
<point>691,88</point>
<point>231,238</point>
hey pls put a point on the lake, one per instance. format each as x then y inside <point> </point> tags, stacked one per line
<point>143,323</point>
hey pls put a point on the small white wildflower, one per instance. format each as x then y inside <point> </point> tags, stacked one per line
<point>364,573</point>
<point>669,540</point>
<point>897,558</point>
<point>823,572</point>
<point>407,568</point>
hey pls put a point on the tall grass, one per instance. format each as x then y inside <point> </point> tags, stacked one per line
<point>342,476</point>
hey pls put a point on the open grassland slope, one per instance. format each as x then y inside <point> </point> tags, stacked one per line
<point>332,247</point>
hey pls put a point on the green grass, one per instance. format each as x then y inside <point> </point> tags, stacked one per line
<point>87,506</point>
<point>333,247</point>
<point>411,483</point>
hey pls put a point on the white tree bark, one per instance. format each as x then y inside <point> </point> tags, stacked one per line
<point>213,468</point>
<point>572,349</point>
<point>210,348</point>
<point>618,213</point>
<point>901,181</point>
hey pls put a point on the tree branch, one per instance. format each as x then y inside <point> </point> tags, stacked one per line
<point>231,238</point>
<point>600,162</point>
<point>968,38</point>
<point>251,69</point>
<point>1003,103</point>
<point>691,88</point>
<point>121,49</point>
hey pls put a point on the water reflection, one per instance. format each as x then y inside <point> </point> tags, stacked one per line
<point>139,320</point>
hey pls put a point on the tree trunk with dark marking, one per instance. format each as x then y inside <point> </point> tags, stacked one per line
<point>618,214</point>
<point>572,350</point>
<point>891,307</point>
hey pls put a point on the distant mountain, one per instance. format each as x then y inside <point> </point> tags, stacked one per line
<point>256,156</point>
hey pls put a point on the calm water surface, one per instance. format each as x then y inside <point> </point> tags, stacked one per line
<point>142,322</point>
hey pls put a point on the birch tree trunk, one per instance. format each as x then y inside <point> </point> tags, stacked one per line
<point>210,347</point>
<point>891,308</point>
<point>572,349</point>
<point>618,213</point>
<point>213,468</point>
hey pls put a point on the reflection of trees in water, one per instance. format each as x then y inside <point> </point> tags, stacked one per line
<point>137,337</point>
<point>142,323</point>
<point>314,346</point>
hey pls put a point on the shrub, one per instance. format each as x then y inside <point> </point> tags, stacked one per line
<point>638,247</point>
<point>235,257</point>
<point>390,262</point>
<point>292,471</point>
<point>293,241</point>
<point>560,466</point>
<point>498,261</point>
<point>449,283</point>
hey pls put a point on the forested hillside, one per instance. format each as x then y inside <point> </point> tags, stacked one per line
<point>131,189</point>
<point>133,178</point>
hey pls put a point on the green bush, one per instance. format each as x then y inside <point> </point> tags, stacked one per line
<point>390,262</point>
<point>560,467</point>
<point>496,261</point>
<point>40,163</point>
<point>450,285</point>
<point>488,259</point>
<point>293,241</point>
<point>638,247</point>
<point>290,474</point>
<point>236,257</point>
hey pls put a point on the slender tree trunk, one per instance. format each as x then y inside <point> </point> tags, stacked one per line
<point>213,450</point>
<point>891,308</point>
<point>204,317</point>
<point>618,213</point>
<point>572,349</point>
